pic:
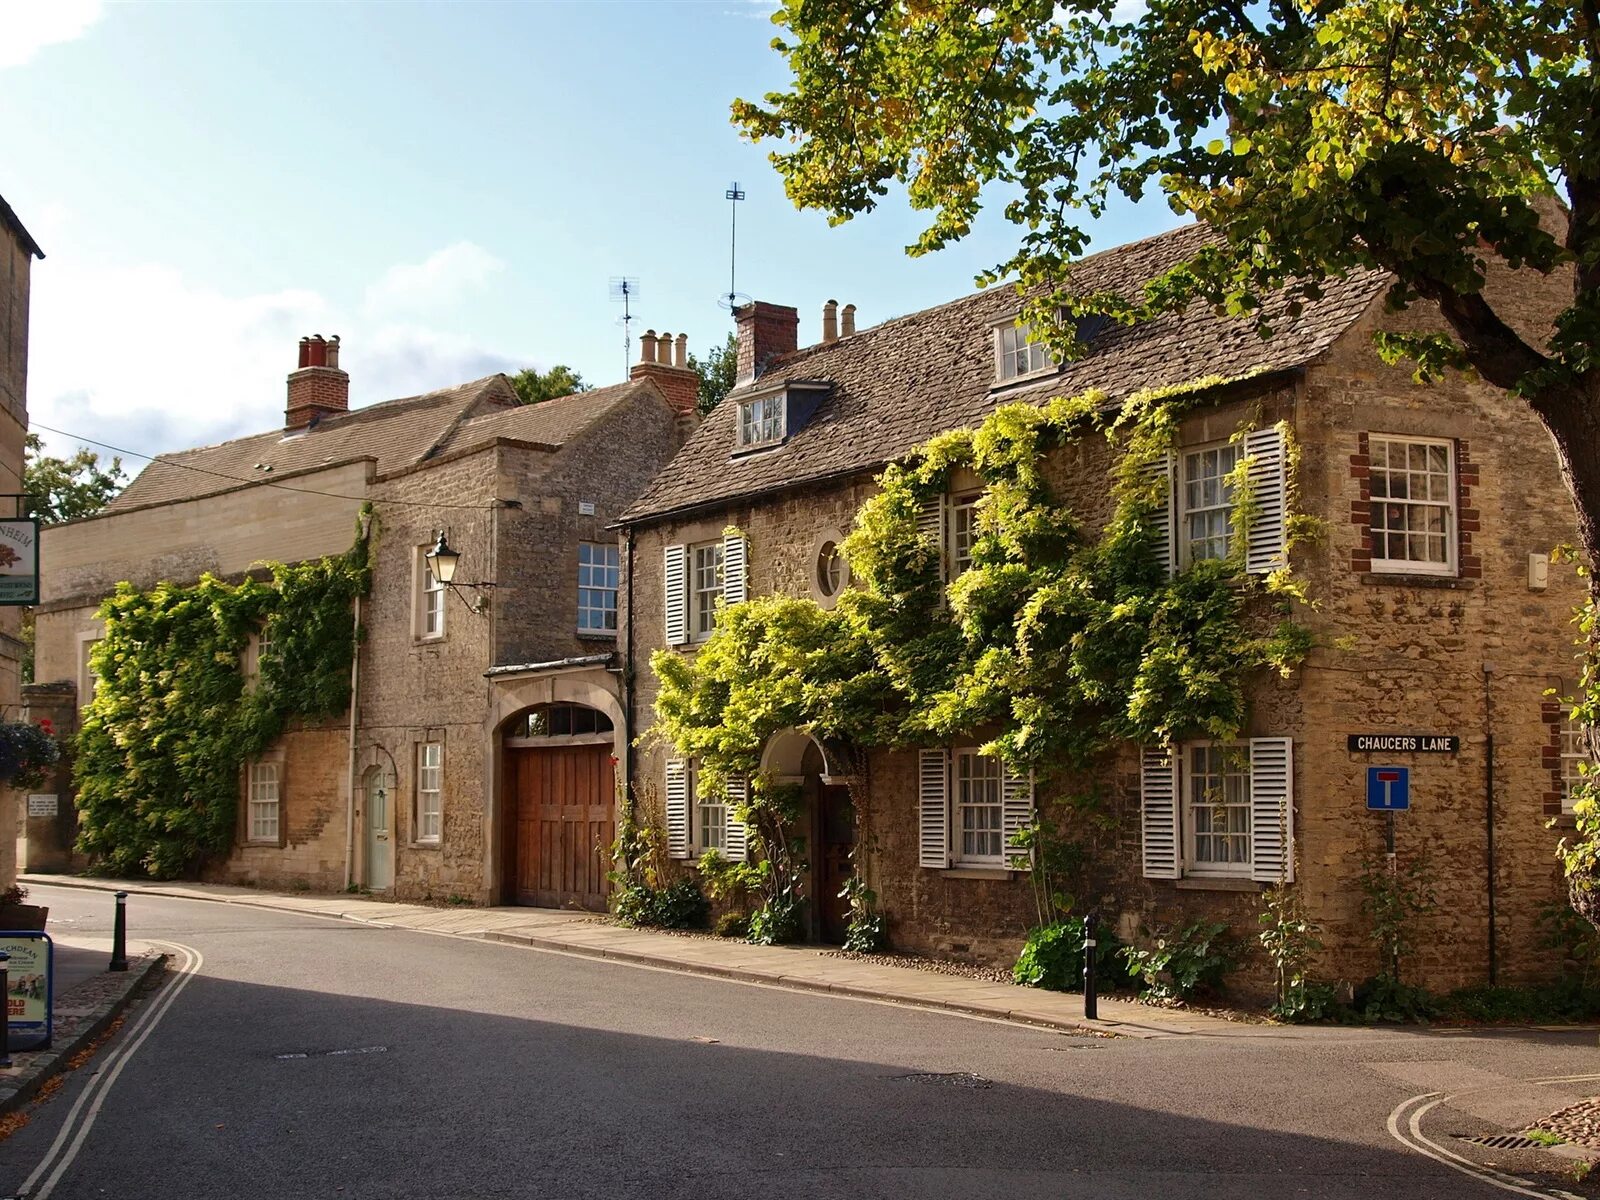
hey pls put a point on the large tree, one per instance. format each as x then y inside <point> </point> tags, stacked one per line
<point>64,489</point>
<point>1316,137</point>
<point>717,371</point>
<point>534,387</point>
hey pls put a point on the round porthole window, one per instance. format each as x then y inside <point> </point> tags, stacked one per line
<point>830,573</point>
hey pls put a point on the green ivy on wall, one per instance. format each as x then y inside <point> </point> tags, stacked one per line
<point>174,719</point>
<point>1064,639</point>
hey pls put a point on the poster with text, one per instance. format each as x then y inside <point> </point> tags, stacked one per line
<point>28,980</point>
<point>19,561</point>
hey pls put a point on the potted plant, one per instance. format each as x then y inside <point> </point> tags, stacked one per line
<point>27,752</point>
<point>14,914</point>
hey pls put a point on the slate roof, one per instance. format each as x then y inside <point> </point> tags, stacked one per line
<point>397,433</point>
<point>899,383</point>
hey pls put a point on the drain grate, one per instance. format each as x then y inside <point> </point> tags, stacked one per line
<point>961,1079</point>
<point>1504,1141</point>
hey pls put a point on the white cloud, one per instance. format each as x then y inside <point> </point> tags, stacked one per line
<point>146,358</point>
<point>438,281</point>
<point>31,25</point>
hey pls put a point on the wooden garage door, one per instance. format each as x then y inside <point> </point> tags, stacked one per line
<point>564,818</point>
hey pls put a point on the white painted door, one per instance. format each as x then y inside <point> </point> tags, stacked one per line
<point>378,786</point>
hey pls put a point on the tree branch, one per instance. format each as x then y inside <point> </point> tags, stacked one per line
<point>1495,349</point>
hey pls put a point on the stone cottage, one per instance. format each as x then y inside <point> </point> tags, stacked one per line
<point>1441,630</point>
<point>476,760</point>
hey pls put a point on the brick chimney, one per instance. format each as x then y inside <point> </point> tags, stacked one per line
<point>317,386</point>
<point>667,362</point>
<point>766,331</point>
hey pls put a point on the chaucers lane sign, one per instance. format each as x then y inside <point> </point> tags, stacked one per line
<point>1404,743</point>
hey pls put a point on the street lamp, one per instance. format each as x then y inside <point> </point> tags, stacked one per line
<point>442,562</point>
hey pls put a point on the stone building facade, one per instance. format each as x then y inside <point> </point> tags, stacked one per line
<point>1437,611</point>
<point>17,252</point>
<point>400,794</point>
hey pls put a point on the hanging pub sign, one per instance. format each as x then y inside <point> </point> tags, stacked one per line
<point>19,560</point>
<point>1404,743</point>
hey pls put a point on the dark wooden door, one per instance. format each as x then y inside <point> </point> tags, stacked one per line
<point>563,821</point>
<point>838,838</point>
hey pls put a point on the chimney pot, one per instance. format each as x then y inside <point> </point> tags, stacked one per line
<point>830,322</point>
<point>664,349</point>
<point>647,346</point>
<point>305,353</point>
<point>848,321</point>
<point>680,356</point>
<point>333,351</point>
<point>680,386</point>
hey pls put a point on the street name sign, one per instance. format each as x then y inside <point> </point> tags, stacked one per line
<point>1404,743</point>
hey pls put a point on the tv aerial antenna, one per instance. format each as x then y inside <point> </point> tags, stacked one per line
<point>733,298</point>
<point>626,289</point>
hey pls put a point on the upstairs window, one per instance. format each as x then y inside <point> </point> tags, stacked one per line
<point>1413,505</point>
<point>963,532</point>
<point>1207,499</point>
<point>599,570</point>
<point>430,598</point>
<point>1016,356</point>
<point>761,421</point>
<point>705,589</point>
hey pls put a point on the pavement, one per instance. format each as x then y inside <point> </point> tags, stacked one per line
<point>805,968</point>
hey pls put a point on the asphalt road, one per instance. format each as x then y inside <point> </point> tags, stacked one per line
<point>483,1071</point>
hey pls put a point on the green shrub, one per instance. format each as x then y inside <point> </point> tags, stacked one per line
<point>733,925</point>
<point>867,931</point>
<point>1385,998</point>
<point>776,921</point>
<point>1052,958</point>
<point>1180,963</point>
<point>679,905</point>
<point>1306,1001</point>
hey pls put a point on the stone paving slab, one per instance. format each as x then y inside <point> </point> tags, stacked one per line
<point>82,1013</point>
<point>782,966</point>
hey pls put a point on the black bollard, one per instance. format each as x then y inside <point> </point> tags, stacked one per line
<point>119,935</point>
<point>5,994</point>
<point>1091,1003</point>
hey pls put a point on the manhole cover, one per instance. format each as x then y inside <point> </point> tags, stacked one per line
<point>961,1079</point>
<point>1505,1141</point>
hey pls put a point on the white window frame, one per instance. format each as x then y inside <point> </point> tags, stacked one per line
<point>428,809</point>
<point>609,573</point>
<point>963,779</point>
<point>1233,755</point>
<point>828,560</point>
<point>88,681</point>
<point>1574,756</point>
<point>962,527</point>
<point>707,816</point>
<point>702,601</point>
<point>1016,356</point>
<point>763,420</point>
<point>1185,456</point>
<point>1402,566</point>
<point>264,816</point>
<point>429,617</point>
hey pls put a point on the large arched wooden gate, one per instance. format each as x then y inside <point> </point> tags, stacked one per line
<point>559,781</point>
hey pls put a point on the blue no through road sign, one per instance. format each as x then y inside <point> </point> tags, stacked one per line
<point>1389,788</point>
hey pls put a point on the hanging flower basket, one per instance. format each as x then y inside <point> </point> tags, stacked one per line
<point>27,752</point>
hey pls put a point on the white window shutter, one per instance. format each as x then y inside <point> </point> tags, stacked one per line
<point>933,803</point>
<point>735,838</point>
<point>1269,481</point>
<point>675,595</point>
<point>1272,810</point>
<point>1158,804</point>
<point>1162,519</point>
<point>931,525</point>
<point>1016,812</point>
<point>735,568</point>
<point>677,808</point>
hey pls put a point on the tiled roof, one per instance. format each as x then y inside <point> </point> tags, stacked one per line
<point>899,383</point>
<point>397,433</point>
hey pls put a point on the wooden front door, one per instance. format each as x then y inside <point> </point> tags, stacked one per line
<point>562,816</point>
<point>838,821</point>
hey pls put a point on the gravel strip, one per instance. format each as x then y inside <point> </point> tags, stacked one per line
<point>1577,1123</point>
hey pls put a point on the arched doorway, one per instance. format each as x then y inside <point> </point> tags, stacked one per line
<point>559,783</point>
<point>827,827</point>
<point>377,792</point>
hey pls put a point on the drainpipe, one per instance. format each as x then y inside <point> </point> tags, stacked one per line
<point>1488,816</point>
<point>355,704</point>
<point>627,684</point>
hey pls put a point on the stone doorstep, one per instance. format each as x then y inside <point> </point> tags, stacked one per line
<point>84,1023</point>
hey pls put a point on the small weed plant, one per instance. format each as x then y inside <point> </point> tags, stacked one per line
<point>1179,964</point>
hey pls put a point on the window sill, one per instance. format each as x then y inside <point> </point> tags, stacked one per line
<point>598,635</point>
<point>960,872</point>
<point>425,845</point>
<point>1407,579</point>
<point>758,448</point>
<point>428,639</point>
<point>1217,883</point>
<point>1019,381</point>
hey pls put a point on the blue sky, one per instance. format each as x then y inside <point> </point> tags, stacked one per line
<point>448,187</point>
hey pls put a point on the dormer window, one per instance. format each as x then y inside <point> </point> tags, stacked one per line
<point>1016,356</point>
<point>761,421</point>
